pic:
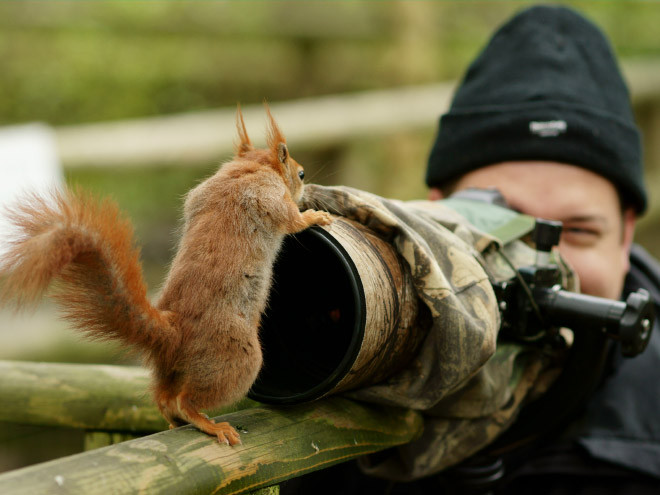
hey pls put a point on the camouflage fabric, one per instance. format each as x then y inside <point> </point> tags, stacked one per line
<point>468,386</point>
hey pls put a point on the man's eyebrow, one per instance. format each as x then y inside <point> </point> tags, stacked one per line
<point>596,219</point>
<point>587,218</point>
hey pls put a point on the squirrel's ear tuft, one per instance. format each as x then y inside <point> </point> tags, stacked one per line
<point>275,137</point>
<point>245,144</point>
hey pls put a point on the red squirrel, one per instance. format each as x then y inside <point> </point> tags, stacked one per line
<point>200,339</point>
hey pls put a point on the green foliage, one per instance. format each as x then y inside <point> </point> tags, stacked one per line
<point>68,62</point>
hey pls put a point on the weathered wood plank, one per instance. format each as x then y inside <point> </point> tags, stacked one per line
<point>278,443</point>
<point>91,397</point>
<point>98,439</point>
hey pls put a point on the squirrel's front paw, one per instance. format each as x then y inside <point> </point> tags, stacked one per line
<point>315,217</point>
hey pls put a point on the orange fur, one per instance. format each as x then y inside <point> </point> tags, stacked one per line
<point>201,337</point>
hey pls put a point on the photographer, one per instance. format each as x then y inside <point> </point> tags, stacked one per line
<point>544,116</point>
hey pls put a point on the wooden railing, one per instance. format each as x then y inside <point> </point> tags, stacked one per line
<point>311,122</point>
<point>111,404</point>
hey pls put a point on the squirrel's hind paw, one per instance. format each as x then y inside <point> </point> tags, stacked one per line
<point>226,434</point>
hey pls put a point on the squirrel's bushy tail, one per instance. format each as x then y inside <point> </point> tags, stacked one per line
<point>86,248</point>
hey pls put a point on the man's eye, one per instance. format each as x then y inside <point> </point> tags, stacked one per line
<point>579,236</point>
<point>578,230</point>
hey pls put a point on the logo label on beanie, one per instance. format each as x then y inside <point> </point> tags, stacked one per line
<point>551,128</point>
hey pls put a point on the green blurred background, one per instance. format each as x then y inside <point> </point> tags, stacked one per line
<point>67,63</point>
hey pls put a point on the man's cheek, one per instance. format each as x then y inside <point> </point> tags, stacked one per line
<point>585,265</point>
<point>599,276</point>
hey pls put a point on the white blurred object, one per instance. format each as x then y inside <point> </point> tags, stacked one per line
<point>28,163</point>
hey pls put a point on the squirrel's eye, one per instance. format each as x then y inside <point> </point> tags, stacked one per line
<point>301,174</point>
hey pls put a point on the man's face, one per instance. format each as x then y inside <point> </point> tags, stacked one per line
<point>595,238</point>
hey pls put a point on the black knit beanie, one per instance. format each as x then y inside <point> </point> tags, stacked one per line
<point>546,87</point>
